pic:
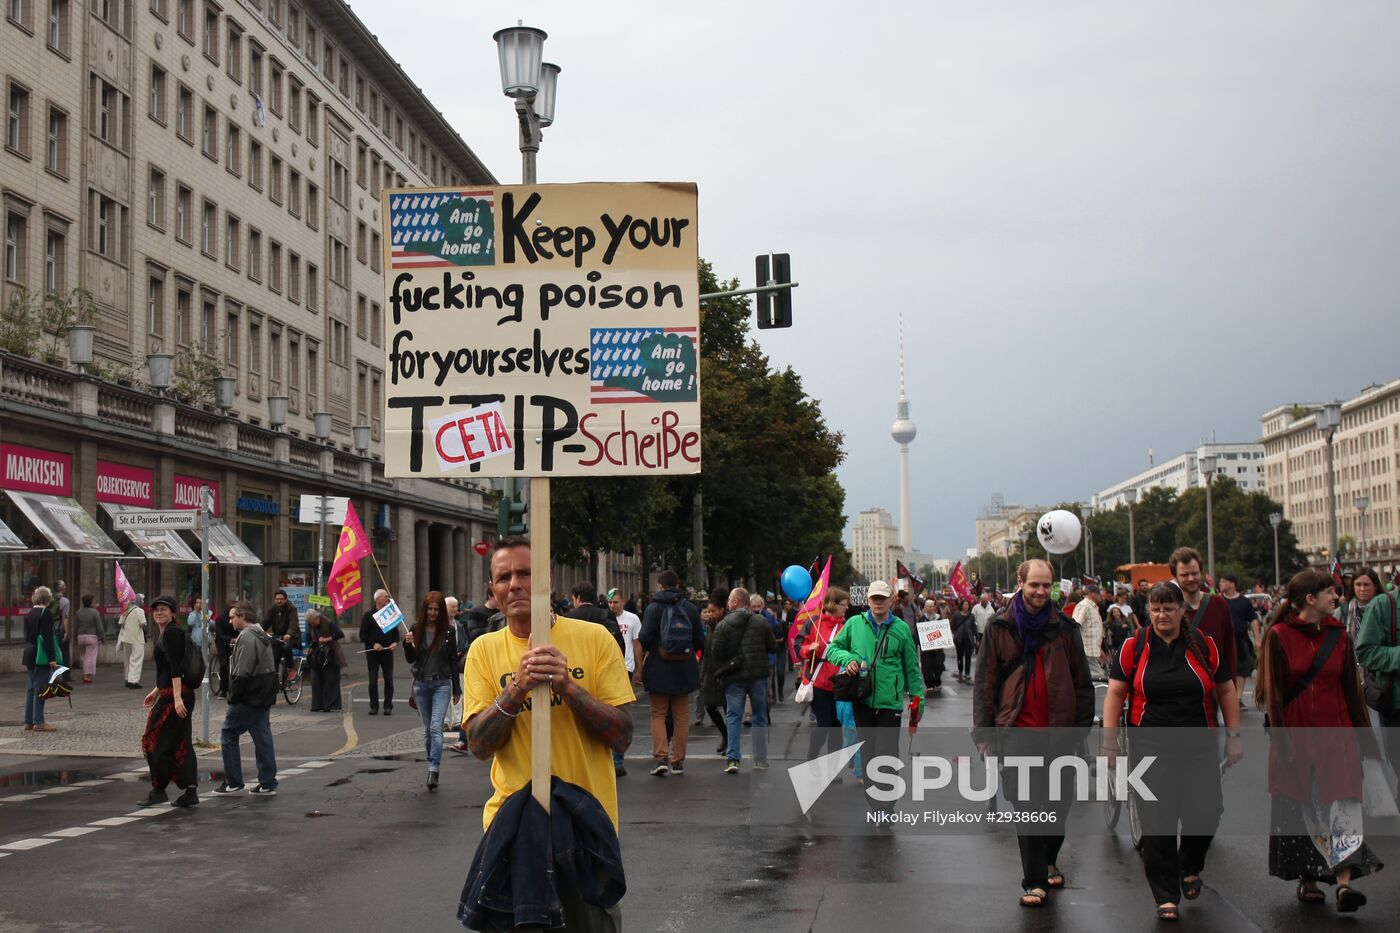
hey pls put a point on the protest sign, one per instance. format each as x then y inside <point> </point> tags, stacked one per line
<point>390,617</point>
<point>935,634</point>
<point>542,330</point>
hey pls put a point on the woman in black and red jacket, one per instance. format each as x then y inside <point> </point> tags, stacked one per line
<point>1171,680</point>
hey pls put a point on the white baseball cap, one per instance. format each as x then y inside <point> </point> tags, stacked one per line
<point>878,588</point>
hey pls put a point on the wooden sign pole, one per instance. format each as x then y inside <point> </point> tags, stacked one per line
<point>541,613</point>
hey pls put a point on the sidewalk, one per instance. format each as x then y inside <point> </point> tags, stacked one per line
<point>106,721</point>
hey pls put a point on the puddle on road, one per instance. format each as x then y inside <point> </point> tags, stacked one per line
<point>317,813</point>
<point>346,780</point>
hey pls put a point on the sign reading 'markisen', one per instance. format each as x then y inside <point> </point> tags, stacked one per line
<point>544,330</point>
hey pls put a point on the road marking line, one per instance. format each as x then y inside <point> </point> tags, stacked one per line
<point>150,811</point>
<point>114,821</point>
<point>63,789</point>
<point>13,798</point>
<point>96,782</point>
<point>23,845</point>
<point>72,831</point>
<point>290,771</point>
<point>314,764</point>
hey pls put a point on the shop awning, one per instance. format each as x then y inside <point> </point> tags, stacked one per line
<point>64,524</point>
<point>154,544</point>
<point>227,548</point>
<point>9,541</point>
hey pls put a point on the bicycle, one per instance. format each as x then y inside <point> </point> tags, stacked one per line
<point>290,673</point>
<point>211,667</point>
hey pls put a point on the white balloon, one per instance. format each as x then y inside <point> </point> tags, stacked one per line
<point>1059,531</point>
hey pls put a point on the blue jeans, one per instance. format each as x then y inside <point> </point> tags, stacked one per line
<point>433,698</point>
<point>33,706</point>
<point>734,694</point>
<point>253,720</point>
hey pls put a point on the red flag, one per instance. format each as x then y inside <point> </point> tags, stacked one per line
<point>811,610</point>
<point>126,593</point>
<point>1337,571</point>
<point>344,585</point>
<point>958,581</point>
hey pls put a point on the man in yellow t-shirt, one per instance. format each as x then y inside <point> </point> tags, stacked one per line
<point>588,678</point>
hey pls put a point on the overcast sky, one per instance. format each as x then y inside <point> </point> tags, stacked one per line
<point>1148,221</point>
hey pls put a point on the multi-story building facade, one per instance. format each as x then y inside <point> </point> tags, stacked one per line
<point>1367,453</point>
<point>1243,463</point>
<point>875,545</point>
<point>210,174</point>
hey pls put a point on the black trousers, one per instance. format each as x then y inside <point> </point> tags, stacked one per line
<point>879,730</point>
<point>1188,798</point>
<point>931,665</point>
<point>380,662</point>
<point>966,650</point>
<point>1038,850</point>
<point>827,733</point>
<point>325,688</point>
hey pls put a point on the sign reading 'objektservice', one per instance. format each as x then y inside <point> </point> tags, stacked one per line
<point>543,330</point>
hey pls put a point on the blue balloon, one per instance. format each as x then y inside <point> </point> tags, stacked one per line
<point>797,583</point>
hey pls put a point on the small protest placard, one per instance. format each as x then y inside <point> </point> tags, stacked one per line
<point>935,634</point>
<point>471,436</point>
<point>57,673</point>
<point>317,600</point>
<point>858,595</point>
<point>390,617</point>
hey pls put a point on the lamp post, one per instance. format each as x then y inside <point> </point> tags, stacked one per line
<point>1207,466</point>
<point>322,422</point>
<point>1276,519</point>
<point>160,366</point>
<point>276,411</point>
<point>1084,513</point>
<point>1362,503</point>
<point>223,391</point>
<point>1131,496</point>
<point>1328,420</point>
<point>80,345</point>
<point>1023,534</point>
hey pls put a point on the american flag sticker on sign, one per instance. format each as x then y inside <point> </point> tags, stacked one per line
<point>442,230</point>
<point>643,364</point>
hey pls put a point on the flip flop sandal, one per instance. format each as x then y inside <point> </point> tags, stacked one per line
<point>1034,897</point>
<point>1349,899</point>
<point>1169,913</point>
<point>1056,878</point>
<point>1191,889</point>
<point>1311,895</point>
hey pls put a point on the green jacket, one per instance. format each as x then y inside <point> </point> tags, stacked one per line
<point>894,673</point>
<point>1375,649</point>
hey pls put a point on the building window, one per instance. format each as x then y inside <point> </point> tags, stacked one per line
<point>294,26</point>
<point>255,164</point>
<point>107,226</point>
<point>58,26</point>
<point>233,241</point>
<point>233,60</point>
<point>362,242</point>
<point>184,114</point>
<point>374,187</point>
<point>361,316</point>
<point>293,277</point>
<point>340,183</point>
<point>343,83</point>
<point>17,121</point>
<point>209,326</point>
<point>208,233</point>
<point>231,334</point>
<point>16,247</point>
<point>255,68</point>
<point>157,98</point>
<point>109,118</point>
<point>211,33</point>
<point>294,192</point>
<point>155,306</point>
<point>293,368</point>
<point>294,105</point>
<point>274,12</point>
<point>274,355</point>
<point>233,149</point>
<point>184,200</point>
<point>376,323</point>
<point>274,180</point>
<point>361,162</point>
<point>209,133</point>
<point>312,40</point>
<point>110,12</point>
<point>274,266</point>
<point>254,254</point>
<point>55,261</point>
<point>376,250</point>
<point>313,380</point>
<point>184,305</point>
<point>56,145</point>
<point>376,403</point>
<point>360,92</point>
<point>184,19</point>
<point>361,393</point>
<point>340,262</point>
<point>161,10</point>
<point>340,340</point>
<point>155,199</point>
<point>313,206</point>
<point>274,86</point>
<point>313,119</point>
<point>328,60</point>
<point>313,286</point>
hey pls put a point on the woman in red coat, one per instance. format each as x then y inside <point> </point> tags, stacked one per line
<point>812,651</point>
<point>1308,685</point>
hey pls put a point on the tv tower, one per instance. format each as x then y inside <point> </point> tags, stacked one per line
<point>903,431</point>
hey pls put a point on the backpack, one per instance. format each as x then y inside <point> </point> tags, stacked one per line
<point>677,633</point>
<point>193,674</point>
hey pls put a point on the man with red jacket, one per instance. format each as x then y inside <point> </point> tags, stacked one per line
<point>1205,612</point>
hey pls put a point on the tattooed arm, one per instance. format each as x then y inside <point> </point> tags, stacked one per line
<point>611,725</point>
<point>489,730</point>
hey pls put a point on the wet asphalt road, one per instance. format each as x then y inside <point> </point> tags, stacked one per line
<point>358,843</point>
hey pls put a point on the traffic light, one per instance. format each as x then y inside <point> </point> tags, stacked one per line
<point>775,307</point>
<point>510,517</point>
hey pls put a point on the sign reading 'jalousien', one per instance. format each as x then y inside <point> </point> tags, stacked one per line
<point>545,330</point>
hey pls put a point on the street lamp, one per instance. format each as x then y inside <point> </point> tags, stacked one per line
<point>1207,466</point>
<point>1362,503</point>
<point>322,422</point>
<point>80,345</point>
<point>1131,496</point>
<point>223,391</point>
<point>361,433</point>
<point>1276,519</point>
<point>277,411</point>
<point>531,82</point>
<point>160,366</point>
<point>1328,420</point>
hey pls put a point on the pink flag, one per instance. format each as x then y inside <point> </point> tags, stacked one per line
<point>126,593</point>
<point>958,581</point>
<point>344,585</point>
<point>811,610</point>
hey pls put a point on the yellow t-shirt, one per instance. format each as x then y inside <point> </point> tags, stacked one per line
<point>575,756</point>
